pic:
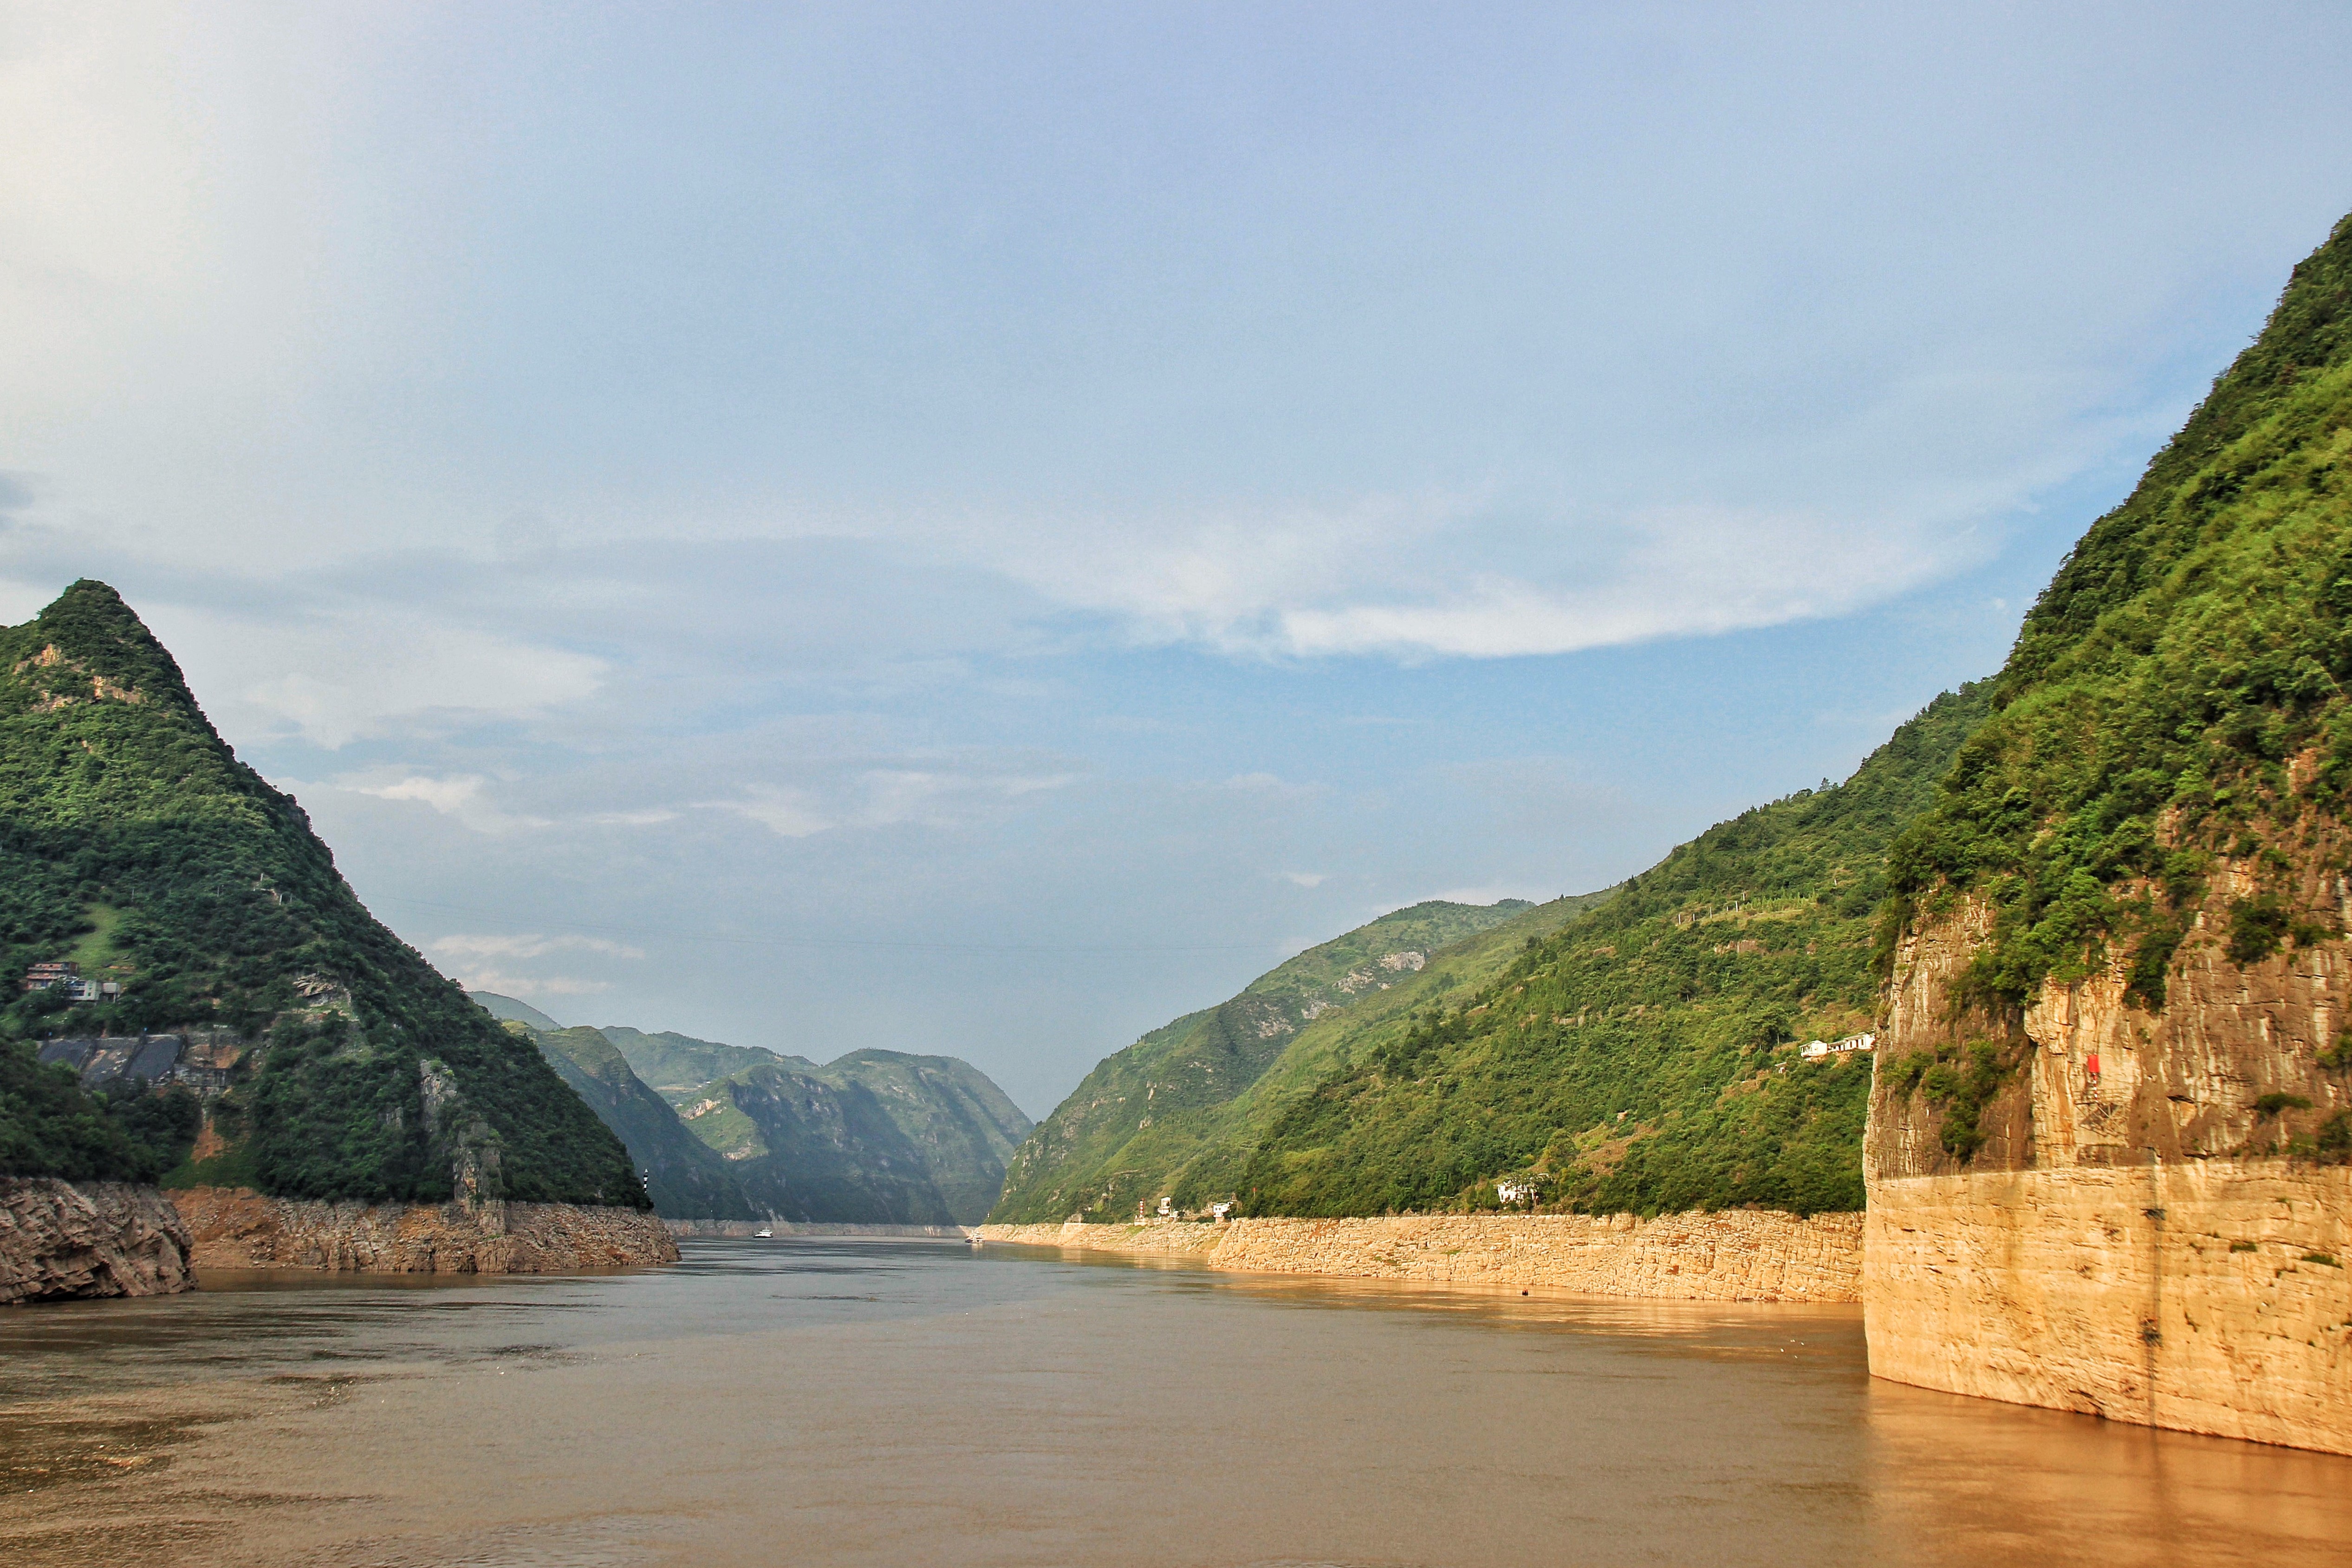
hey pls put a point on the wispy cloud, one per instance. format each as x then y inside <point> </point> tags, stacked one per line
<point>463,796</point>
<point>1467,577</point>
<point>533,945</point>
<point>883,796</point>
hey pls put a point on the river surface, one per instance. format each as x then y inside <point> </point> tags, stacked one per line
<point>816,1403</point>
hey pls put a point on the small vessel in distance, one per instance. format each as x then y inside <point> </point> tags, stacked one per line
<point>764,1235</point>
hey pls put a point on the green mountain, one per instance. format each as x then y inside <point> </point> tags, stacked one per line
<point>1640,1056</point>
<point>2168,771</point>
<point>677,1065</point>
<point>1140,1123</point>
<point>686,1178</point>
<point>961,1125</point>
<point>813,1147</point>
<point>133,843</point>
<point>875,1137</point>
<point>2177,691</point>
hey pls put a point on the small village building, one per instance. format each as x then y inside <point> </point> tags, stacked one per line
<point>1817,1048</point>
<point>58,972</point>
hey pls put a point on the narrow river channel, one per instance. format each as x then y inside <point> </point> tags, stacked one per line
<point>817,1403</point>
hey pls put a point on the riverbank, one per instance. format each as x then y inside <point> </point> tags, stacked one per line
<point>235,1227</point>
<point>1733,1255</point>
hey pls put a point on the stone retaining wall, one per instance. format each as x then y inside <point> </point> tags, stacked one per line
<point>1735,1255</point>
<point>60,1240</point>
<point>233,1228</point>
<point>2206,1295</point>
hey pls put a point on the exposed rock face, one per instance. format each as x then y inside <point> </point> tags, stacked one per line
<point>1734,1254</point>
<point>2125,1240</point>
<point>60,1240</point>
<point>2203,1295</point>
<point>233,1228</point>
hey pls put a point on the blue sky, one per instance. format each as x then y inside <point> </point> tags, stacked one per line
<point>980,529</point>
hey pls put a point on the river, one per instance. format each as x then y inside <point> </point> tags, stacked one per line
<point>818,1403</point>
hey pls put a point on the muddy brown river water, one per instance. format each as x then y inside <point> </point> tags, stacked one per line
<point>816,1403</point>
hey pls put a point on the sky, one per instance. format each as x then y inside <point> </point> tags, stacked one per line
<point>979,530</point>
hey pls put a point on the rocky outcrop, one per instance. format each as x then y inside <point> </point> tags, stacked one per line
<point>2137,1235</point>
<point>60,1240</point>
<point>233,1228</point>
<point>1733,1255</point>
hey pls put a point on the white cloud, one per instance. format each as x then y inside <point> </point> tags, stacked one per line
<point>1307,878</point>
<point>1449,576</point>
<point>460,795</point>
<point>883,796</point>
<point>359,671</point>
<point>787,813</point>
<point>532,945</point>
<point>526,985</point>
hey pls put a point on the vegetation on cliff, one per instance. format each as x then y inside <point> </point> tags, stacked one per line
<point>2176,699</point>
<point>1165,1116</point>
<point>134,844</point>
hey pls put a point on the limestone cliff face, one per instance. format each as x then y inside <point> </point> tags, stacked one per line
<point>2092,1079</point>
<point>2133,1236</point>
<point>233,1228</point>
<point>61,1240</point>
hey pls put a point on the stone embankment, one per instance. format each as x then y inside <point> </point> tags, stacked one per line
<point>1734,1255</point>
<point>233,1228</point>
<point>60,1240</point>
<point>2207,1296</point>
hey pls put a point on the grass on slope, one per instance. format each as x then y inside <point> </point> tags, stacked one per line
<point>1144,1112</point>
<point>2177,695</point>
<point>1632,1062</point>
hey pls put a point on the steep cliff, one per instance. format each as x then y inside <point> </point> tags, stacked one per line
<point>2114,1082</point>
<point>188,895</point>
<point>686,1178</point>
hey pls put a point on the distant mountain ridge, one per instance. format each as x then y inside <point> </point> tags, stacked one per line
<point>874,1137</point>
<point>1135,1129</point>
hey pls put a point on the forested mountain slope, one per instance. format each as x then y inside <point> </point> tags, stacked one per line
<point>2158,805</point>
<point>133,843</point>
<point>874,1138</point>
<point>1135,1125</point>
<point>1634,1060</point>
<point>686,1178</point>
